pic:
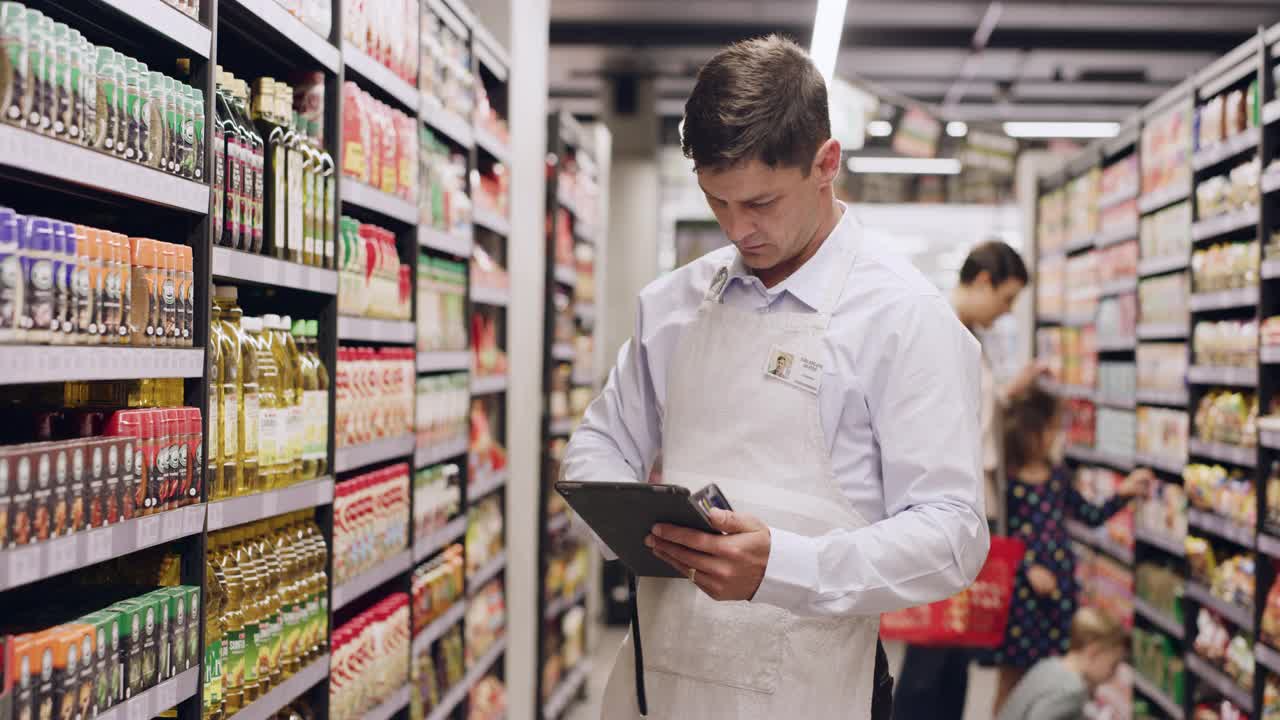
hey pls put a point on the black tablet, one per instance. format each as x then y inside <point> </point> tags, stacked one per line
<point>623,513</point>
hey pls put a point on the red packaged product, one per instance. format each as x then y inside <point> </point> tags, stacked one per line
<point>354,130</point>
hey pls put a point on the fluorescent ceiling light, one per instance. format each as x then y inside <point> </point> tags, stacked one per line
<point>1061,129</point>
<point>905,165</point>
<point>828,23</point>
<point>957,128</point>
<point>879,128</point>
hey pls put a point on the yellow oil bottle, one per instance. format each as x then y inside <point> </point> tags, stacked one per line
<point>285,400</point>
<point>227,573</point>
<point>322,397</point>
<point>269,565</point>
<point>297,415</point>
<point>252,607</point>
<point>226,300</point>
<point>250,409</point>
<point>311,399</point>
<point>269,420</point>
<point>213,421</point>
<point>214,604</point>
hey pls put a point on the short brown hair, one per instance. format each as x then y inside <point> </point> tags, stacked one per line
<point>1091,626</point>
<point>998,260</point>
<point>1028,416</point>
<point>759,99</point>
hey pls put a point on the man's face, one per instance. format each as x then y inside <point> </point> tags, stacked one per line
<point>994,301</point>
<point>769,213</point>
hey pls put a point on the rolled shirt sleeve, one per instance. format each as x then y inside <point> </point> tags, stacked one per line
<point>923,396</point>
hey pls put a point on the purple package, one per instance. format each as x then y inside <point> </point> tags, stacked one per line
<point>12,293</point>
<point>37,267</point>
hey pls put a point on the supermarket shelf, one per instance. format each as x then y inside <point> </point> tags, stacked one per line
<point>498,297</point>
<point>425,547</point>
<point>1161,265</point>
<point>566,275</point>
<point>561,605</point>
<point>1270,353</point>
<point>1159,619</point>
<point>1224,299</point>
<point>1158,199</point>
<point>1219,681</point>
<point>235,265</point>
<point>1162,331</point>
<point>381,76</point>
<point>360,329</point>
<point>1117,403</point>
<point>583,377</point>
<point>1226,149</point>
<point>1149,689</point>
<point>240,510</point>
<point>78,165</point>
<point>1222,452</point>
<point>448,123</point>
<point>1049,319</point>
<point>1269,439</point>
<point>272,15</point>
<point>1224,224</point>
<point>1120,286</point>
<point>1116,344</point>
<point>491,221</point>
<point>488,385</point>
<point>1081,243</point>
<point>487,572</point>
<point>167,21</point>
<point>436,629</point>
<point>586,312</point>
<point>492,145</point>
<point>444,360</point>
<point>1123,195</point>
<point>485,483</point>
<point>1067,390</point>
<point>266,707</point>
<point>1094,456</point>
<point>445,242</point>
<point>1267,657</point>
<point>1223,375</point>
<point>159,699</point>
<point>1078,320</point>
<point>56,363</point>
<point>1239,616</point>
<point>364,196</point>
<point>427,455</point>
<point>1098,539</point>
<point>377,451</point>
<point>1171,545</point>
<point>451,700</point>
<point>29,563</point>
<point>562,426</point>
<point>568,688</point>
<point>397,564</point>
<point>1221,527</point>
<point>563,352</point>
<point>1177,398</point>
<point>1270,182</point>
<point>391,707</point>
<point>1271,268</point>
<point>1271,111</point>
<point>1269,545</point>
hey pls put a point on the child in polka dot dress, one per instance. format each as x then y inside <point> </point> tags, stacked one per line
<point>1041,497</point>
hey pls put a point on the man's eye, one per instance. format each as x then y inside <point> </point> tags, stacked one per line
<point>762,204</point>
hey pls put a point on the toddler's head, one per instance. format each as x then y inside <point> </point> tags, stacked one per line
<point>1031,429</point>
<point>1098,645</point>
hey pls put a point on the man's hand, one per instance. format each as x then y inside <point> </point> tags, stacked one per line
<point>729,567</point>
<point>1042,581</point>
<point>1137,484</point>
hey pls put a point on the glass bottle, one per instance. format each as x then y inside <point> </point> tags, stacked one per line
<point>266,112</point>
<point>231,163</point>
<point>294,174</point>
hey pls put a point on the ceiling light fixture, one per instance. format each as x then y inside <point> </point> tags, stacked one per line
<point>957,129</point>
<point>1061,129</point>
<point>828,23</point>
<point>879,128</point>
<point>904,166</point>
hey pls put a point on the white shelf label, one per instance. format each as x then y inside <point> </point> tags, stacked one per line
<point>61,555</point>
<point>100,545</point>
<point>148,532</point>
<point>171,525</point>
<point>24,565</point>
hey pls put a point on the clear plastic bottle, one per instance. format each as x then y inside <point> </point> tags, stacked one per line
<point>297,419</point>
<point>213,461</point>
<point>255,608</point>
<point>225,299</point>
<point>322,398</point>
<point>250,409</point>
<point>270,418</point>
<point>269,565</point>
<point>227,572</point>
<point>214,605</point>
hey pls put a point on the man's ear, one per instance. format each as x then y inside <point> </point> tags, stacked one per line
<point>826,163</point>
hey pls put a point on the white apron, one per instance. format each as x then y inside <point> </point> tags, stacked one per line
<point>761,440</point>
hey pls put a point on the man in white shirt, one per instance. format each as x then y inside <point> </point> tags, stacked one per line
<point>856,481</point>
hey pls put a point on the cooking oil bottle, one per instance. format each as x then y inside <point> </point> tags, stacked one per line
<point>268,411</point>
<point>322,397</point>
<point>297,416</point>
<point>213,459</point>
<point>286,398</point>
<point>252,607</point>
<point>249,409</point>
<point>282,549</point>
<point>269,563</point>
<point>231,583</point>
<point>309,408</point>
<point>214,604</point>
<point>229,353</point>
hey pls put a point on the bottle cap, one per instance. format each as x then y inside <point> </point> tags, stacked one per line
<point>271,321</point>
<point>226,292</point>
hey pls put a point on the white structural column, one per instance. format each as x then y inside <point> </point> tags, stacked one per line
<point>527,30</point>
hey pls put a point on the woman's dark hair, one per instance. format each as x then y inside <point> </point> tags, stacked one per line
<point>1026,419</point>
<point>760,99</point>
<point>997,260</point>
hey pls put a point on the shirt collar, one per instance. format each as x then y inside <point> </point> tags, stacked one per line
<point>809,281</point>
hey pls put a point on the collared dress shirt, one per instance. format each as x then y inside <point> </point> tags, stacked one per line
<point>900,412</point>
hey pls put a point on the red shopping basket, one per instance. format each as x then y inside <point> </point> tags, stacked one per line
<point>973,617</point>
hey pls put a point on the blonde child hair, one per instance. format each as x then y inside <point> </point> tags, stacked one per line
<point>1090,626</point>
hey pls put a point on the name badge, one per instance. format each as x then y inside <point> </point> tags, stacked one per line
<point>794,369</point>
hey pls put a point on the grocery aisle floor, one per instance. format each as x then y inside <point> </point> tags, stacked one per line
<point>982,681</point>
